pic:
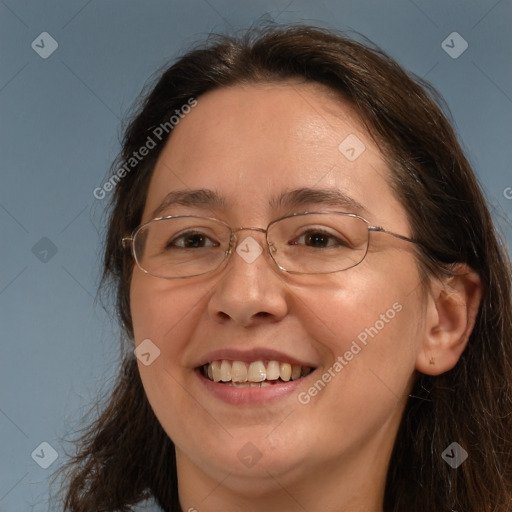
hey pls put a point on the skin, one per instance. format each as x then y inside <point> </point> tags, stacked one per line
<point>250,143</point>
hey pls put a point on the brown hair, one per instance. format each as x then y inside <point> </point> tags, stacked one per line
<point>125,455</point>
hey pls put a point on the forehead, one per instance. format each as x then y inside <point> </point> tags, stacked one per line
<point>251,144</point>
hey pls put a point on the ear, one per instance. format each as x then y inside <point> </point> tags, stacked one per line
<point>450,314</point>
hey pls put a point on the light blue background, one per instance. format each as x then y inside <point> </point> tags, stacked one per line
<point>59,127</point>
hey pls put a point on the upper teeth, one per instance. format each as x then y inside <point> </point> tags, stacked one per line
<point>238,371</point>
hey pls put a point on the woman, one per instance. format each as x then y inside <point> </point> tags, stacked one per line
<point>318,301</point>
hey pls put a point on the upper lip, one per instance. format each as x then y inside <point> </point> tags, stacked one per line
<point>248,356</point>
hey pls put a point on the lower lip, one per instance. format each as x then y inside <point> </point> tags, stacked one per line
<point>247,395</point>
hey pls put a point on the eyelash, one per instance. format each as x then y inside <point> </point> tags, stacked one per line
<point>309,232</point>
<point>321,232</point>
<point>183,236</point>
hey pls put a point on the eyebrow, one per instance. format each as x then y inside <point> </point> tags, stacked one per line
<point>197,198</point>
<point>303,197</point>
<point>289,200</point>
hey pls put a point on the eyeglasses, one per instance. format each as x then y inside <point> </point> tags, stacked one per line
<point>177,247</point>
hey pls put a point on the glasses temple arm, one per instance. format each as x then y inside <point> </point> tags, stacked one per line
<point>396,235</point>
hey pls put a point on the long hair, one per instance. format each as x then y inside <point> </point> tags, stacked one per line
<point>125,455</point>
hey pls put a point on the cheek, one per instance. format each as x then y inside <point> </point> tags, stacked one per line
<point>162,310</point>
<point>166,314</point>
<point>358,306</point>
<point>369,326</point>
<point>369,335</point>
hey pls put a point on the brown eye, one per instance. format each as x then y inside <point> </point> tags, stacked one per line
<point>191,241</point>
<point>318,239</point>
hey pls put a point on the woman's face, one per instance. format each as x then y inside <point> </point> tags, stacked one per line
<point>360,329</point>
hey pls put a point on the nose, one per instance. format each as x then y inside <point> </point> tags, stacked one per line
<point>250,289</point>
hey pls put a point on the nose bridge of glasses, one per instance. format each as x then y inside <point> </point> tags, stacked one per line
<point>235,233</point>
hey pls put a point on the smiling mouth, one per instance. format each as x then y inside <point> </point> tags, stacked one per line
<point>254,374</point>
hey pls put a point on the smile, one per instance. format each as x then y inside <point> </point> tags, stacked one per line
<point>253,374</point>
